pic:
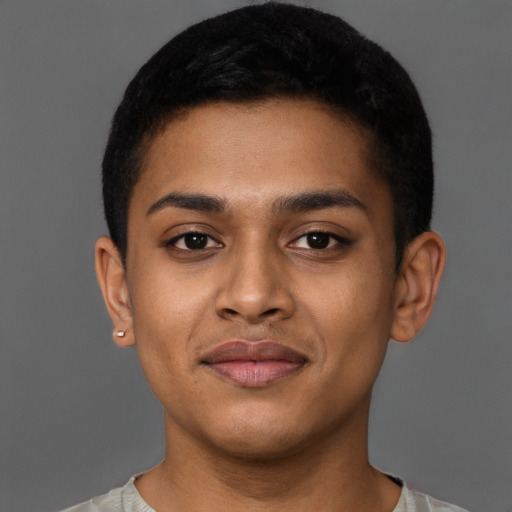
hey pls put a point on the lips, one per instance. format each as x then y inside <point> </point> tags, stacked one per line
<point>253,363</point>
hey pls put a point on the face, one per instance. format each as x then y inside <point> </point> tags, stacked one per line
<point>260,274</point>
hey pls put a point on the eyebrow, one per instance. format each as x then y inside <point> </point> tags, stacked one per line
<point>190,202</point>
<point>299,203</point>
<point>312,201</point>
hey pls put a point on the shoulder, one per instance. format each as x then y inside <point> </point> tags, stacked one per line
<point>109,502</point>
<point>122,499</point>
<point>415,501</point>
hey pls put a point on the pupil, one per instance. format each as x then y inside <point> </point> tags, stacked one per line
<point>318,240</point>
<point>196,241</point>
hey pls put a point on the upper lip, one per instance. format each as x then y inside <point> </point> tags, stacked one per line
<point>243,350</point>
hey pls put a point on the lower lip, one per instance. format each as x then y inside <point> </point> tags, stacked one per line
<point>254,374</point>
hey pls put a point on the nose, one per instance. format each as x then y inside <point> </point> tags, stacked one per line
<point>254,288</point>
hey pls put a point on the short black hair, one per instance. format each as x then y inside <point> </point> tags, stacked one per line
<point>268,51</point>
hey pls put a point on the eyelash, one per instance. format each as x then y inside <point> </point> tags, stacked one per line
<point>173,241</point>
<point>339,241</point>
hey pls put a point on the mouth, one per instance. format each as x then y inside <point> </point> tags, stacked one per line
<point>253,364</point>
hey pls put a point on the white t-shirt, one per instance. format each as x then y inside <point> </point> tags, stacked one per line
<point>128,499</point>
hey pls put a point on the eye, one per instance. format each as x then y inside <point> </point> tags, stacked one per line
<point>193,241</point>
<point>319,240</point>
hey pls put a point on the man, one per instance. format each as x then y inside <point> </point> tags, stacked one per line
<point>268,190</point>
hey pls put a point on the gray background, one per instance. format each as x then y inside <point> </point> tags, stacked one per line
<point>76,416</point>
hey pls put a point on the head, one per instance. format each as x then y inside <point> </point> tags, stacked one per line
<point>278,51</point>
<point>268,190</point>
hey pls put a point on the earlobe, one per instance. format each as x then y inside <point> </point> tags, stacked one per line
<point>112,280</point>
<point>417,285</point>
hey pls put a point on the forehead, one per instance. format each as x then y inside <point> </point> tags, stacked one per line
<point>251,153</point>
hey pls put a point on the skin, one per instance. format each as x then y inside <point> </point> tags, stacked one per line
<point>300,442</point>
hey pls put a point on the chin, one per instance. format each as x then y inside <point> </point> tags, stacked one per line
<point>259,448</point>
<point>260,438</point>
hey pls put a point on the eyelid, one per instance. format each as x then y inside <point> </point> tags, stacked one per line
<point>340,239</point>
<point>181,236</point>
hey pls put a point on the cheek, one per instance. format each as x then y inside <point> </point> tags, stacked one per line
<point>353,320</point>
<point>354,300</point>
<point>164,297</point>
<point>167,313</point>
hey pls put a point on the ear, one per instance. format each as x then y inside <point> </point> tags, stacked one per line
<point>112,280</point>
<point>417,285</point>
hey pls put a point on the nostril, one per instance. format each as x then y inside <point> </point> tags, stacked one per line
<point>231,311</point>
<point>270,312</point>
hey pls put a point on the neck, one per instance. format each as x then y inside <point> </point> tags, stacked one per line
<point>330,473</point>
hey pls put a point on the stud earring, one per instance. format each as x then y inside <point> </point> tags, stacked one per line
<point>120,334</point>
